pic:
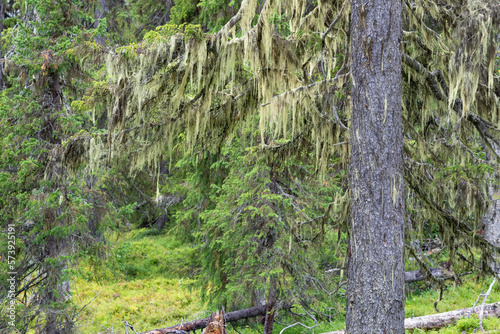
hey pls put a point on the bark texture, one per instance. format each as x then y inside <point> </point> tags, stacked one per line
<point>375,298</point>
<point>491,219</point>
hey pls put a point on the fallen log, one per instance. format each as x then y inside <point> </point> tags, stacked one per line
<point>229,317</point>
<point>439,320</point>
<point>417,275</point>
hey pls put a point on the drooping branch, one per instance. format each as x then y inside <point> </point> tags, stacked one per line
<point>431,78</point>
<point>434,80</point>
<point>331,26</point>
<point>301,88</point>
<point>445,214</point>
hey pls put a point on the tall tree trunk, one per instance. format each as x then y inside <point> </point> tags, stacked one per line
<point>375,298</point>
<point>51,102</point>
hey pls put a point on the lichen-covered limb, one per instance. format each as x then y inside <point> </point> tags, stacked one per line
<point>435,80</point>
<point>152,84</point>
<point>413,35</point>
<point>453,223</point>
<point>331,25</point>
<point>301,88</point>
<point>430,77</point>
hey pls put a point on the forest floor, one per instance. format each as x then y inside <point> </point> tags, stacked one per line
<point>149,282</point>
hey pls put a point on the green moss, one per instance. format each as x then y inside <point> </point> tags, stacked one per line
<point>146,254</point>
<point>143,303</point>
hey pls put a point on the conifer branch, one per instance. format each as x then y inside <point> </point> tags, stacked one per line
<point>434,80</point>
<point>331,26</point>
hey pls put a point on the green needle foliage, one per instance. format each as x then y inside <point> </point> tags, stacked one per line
<point>52,211</point>
<point>267,222</point>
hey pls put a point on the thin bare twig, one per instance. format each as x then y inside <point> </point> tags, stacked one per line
<point>485,296</point>
<point>298,323</point>
<point>333,105</point>
<point>84,306</point>
<point>129,325</point>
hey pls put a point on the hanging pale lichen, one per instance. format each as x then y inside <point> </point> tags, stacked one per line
<point>180,82</point>
<point>450,103</point>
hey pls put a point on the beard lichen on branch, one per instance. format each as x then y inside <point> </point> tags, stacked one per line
<point>181,81</point>
<point>181,87</point>
<point>450,105</point>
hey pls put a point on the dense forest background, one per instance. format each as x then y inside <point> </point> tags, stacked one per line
<point>181,156</point>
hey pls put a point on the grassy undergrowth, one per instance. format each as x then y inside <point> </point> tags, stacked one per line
<point>148,282</point>
<point>146,304</point>
<point>455,297</point>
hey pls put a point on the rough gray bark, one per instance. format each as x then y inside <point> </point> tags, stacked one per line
<point>491,219</point>
<point>375,291</point>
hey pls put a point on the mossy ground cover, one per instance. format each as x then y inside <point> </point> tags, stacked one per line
<point>146,280</point>
<point>149,283</point>
<point>145,303</point>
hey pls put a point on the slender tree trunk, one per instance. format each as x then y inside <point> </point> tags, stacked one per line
<point>51,297</point>
<point>53,266</point>
<point>375,292</point>
<point>271,303</point>
<point>100,11</point>
<point>168,8</point>
<point>491,218</point>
